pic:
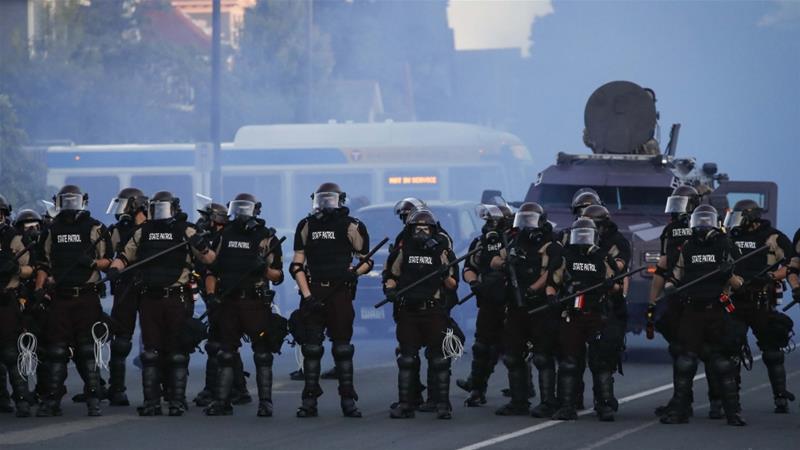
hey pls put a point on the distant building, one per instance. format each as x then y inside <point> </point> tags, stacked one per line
<point>231,16</point>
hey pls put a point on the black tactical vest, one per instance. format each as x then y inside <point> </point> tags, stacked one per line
<point>238,257</point>
<point>159,235</point>
<point>675,234</point>
<point>125,231</point>
<point>70,240</point>
<point>7,234</point>
<point>583,271</point>
<point>700,258</point>
<point>529,269</point>
<point>418,262</point>
<point>328,249</point>
<point>749,241</point>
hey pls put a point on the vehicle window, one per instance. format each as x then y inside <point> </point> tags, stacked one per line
<point>614,198</point>
<point>466,225</point>
<point>758,197</point>
<point>382,222</point>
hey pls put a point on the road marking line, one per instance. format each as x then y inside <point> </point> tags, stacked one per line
<point>47,432</point>
<point>551,423</point>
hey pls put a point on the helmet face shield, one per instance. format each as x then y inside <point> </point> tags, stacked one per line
<point>69,202</point>
<point>117,206</point>
<point>325,200</point>
<point>733,219</point>
<point>677,204</point>
<point>582,236</point>
<point>407,205</point>
<point>241,208</point>
<point>161,210</point>
<point>703,219</point>
<point>527,220</point>
<point>488,212</point>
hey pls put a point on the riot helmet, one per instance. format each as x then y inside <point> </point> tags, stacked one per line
<point>745,213</point>
<point>327,198</point>
<point>684,200</point>
<point>127,203</point>
<point>583,198</point>
<point>70,198</point>
<point>29,223</point>
<point>163,206</point>
<point>406,206</point>
<point>704,220</point>
<point>244,207</point>
<point>421,224</point>
<point>530,216</point>
<point>583,232</point>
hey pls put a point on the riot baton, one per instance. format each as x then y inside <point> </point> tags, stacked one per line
<point>364,260</point>
<point>712,273</point>
<point>25,250</point>
<point>512,272</point>
<point>466,299</point>
<point>589,289</point>
<point>246,274</point>
<point>789,306</point>
<point>429,276</point>
<point>150,258</point>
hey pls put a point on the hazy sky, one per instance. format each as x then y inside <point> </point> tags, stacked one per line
<point>729,72</point>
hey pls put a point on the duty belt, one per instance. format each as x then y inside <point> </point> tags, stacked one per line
<point>425,305</point>
<point>77,291</point>
<point>701,303</point>
<point>328,283</point>
<point>250,292</point>
<point>164,292</point>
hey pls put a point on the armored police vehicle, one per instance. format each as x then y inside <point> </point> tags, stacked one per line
<point>633,177</point>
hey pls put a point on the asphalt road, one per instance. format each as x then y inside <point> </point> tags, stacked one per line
<point>645,385</point>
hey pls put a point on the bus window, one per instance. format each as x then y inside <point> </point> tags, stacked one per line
<point>358,187</point>
<point>179,185</point>
<point>268,189</point>
<point>101,190</point>
<point>467,183</point>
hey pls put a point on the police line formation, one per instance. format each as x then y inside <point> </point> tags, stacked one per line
<point>557,299</point>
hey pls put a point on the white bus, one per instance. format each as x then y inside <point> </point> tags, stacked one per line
<point>283,164</point>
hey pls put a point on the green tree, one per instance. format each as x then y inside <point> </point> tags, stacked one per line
<point>22,174</point>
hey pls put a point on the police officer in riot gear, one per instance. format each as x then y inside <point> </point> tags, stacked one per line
<point>488,285</point>
<point>164,293</point>
<point>704,326</point>
<point>582,199</point>
<point>422,314</point>
<point>534,255</point>
<point>246,262</point>
<point>325,243</point>
<point>584,321</point>
<point>14,268</point>
<point>755,301</point>
<point>129,208</point>
<point>75,250</point>
<point>406,206</point>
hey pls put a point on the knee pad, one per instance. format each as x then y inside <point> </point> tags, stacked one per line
<point>343,351</point>
<point>513,361</point>
<point>438,362</point>
<point>121,346</point>
<point>262,359</point>
<point>149,358</point>
<point>542,360</point>
<point>85,351</point>
<point>212,347</point>
<point>675,349</point>
<point>58,353</point>
<point>8,355</point>
<point>407,361</point>
<point>312,351</point>
<point>773,357</point>
<point>178,359</point>
<point>481,350</point>
<point>686,363</point>
<point>226,359</point>
<point>568,365</point>
<point>722,365</point>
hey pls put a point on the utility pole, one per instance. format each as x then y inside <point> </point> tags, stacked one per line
<point>216,170</point>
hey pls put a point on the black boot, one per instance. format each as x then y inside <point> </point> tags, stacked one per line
<point>240,394</point>
<point>5,398</point>
<point>312,356</point>
<point>407,366</point>
<point>19,385</point>
<point>343,357</point>
<point>221,405</point>
<point>151,384</point>
<point>429,405</point>
<point>518,387</point>
<point>179,372</point>
<point>776,371</point>
<point>440,390</point>
<point>263,361</point>
<point>206,396</point>
<point>727,370</point>
<point>685,369</point>
<point>548,405</point>
<point>479,377</point>
<point>91,378</point>
<point>54,385</point>
<point>567,388</point>
<point>120,349</point>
